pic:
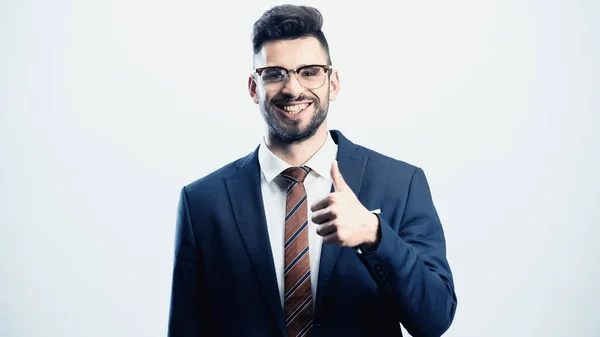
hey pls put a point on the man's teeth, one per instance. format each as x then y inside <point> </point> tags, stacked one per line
<point>294,108</point>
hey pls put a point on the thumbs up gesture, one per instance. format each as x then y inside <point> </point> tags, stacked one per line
<point>341,218</point>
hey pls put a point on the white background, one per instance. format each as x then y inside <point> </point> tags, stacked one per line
<point>109,107</point>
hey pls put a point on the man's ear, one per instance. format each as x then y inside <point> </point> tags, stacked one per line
<point>334,85</point>
<point>252,88</point>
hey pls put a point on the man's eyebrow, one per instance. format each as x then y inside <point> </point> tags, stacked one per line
<point>297,67</point>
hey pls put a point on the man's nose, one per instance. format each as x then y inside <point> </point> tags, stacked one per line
<point>292,86</point>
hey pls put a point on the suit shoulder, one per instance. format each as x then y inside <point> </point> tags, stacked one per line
<point>215,178</point>
<point>385,163</point>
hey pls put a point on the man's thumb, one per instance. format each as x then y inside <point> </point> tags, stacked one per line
<point>336,176</point>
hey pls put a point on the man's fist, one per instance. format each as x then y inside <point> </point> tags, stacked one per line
<point>341,218</point>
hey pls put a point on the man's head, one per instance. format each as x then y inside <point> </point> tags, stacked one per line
<point>294,104</point>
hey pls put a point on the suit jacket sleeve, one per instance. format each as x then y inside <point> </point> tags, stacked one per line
<point>186,310</point>
<point>410,264</point>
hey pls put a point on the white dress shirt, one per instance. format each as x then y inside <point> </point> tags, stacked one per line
<point>318,185</point>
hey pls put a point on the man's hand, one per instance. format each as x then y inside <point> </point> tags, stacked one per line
<point>342,219</point>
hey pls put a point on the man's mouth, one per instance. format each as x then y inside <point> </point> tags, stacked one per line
<point>293,109</point>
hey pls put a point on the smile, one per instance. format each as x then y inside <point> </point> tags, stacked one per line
<point>293,109</point>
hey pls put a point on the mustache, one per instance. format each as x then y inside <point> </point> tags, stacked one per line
<point>284,99</point>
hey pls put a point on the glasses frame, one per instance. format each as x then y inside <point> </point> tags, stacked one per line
<point>326,68</point>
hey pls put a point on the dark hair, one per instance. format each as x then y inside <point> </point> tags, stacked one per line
<point>288,22</point>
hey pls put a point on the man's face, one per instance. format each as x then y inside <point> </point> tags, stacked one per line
<point>293,113</point>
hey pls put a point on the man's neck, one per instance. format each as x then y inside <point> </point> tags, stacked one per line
<point>298,153</point>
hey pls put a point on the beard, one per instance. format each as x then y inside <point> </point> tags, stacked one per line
<point>290,131</point>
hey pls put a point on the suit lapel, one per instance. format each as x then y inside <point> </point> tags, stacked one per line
<point>248,209</point>
<point>352,163</point>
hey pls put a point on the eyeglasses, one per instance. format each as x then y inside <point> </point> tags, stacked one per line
<point>311,76</point>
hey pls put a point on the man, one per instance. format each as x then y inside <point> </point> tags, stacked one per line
<point>310,234</point>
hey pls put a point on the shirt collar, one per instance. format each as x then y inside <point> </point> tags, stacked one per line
<point>320,163</point>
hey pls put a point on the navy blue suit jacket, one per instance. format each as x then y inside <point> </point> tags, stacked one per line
<point>224,281</point>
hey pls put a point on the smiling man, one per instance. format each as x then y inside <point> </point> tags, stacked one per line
<point>310,234</point>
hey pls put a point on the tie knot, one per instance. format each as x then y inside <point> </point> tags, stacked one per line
<point>295,174</point>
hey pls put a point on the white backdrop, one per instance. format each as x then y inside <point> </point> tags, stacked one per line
<point>108,108</point>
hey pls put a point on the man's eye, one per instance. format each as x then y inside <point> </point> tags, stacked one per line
<point>309,72</point>
<point>273,76</point>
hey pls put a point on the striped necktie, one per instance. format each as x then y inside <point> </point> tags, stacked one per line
<point>298,304</point>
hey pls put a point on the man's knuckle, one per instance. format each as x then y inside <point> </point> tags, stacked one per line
<point>334,212</point>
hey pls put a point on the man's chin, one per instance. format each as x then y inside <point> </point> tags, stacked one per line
<point>292,136</point>
<point>289,130</point>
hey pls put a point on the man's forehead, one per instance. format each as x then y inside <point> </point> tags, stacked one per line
<point>291,53</point>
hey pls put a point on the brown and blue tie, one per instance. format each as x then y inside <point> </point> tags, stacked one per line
<point>298,306</point>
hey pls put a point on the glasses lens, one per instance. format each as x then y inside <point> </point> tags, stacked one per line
<point>312,77</point>
<point>273,78</point>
